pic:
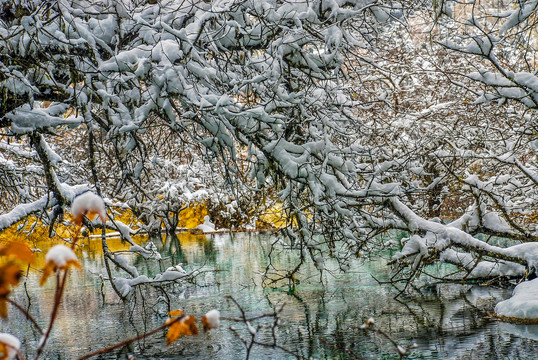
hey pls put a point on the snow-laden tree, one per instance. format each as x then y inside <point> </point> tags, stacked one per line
<point>490,153</point>
<point>228,74</point>
<point>340,106</point>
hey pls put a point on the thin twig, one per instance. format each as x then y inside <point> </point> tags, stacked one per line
<point>128,341</point>
<point>401,351</point>
<point>60,286</point>
<point>336,347</point>
<point>27,314</point>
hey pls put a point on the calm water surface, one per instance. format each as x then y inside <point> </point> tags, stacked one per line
<point>320,320</point>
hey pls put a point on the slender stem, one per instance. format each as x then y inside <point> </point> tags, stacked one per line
<point>27,314</point>
<point>75,238</point>
<point>60,286</point>
<point>384,334</point>
<point>128,341</point>
<point>336,347</point>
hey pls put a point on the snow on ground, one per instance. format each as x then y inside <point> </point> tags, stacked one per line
<point>523,304</point>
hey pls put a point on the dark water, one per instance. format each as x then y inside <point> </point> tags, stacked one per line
<point>320,320</point>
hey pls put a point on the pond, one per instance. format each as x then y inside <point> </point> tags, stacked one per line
<point>319,320</point>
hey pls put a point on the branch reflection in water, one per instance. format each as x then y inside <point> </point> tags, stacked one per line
<point>318,320</point>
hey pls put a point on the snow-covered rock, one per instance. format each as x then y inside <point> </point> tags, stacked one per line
<point>207,226</point>
<point>523,304</point>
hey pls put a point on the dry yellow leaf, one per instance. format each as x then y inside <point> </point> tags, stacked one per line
<point>186,326</point>
<point>205,323</point>
<point>10,275</point>
<point>176,313</point>
<point>18,250</point>
<point>50,268</point>
<point>3,351</point>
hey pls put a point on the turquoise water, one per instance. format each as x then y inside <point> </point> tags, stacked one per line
<point>320,320</point>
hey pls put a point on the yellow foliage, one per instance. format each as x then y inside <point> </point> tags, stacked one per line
<point>17,250</point>
<point>12,254</point>
<point>4,351</point>
<point>182,326</point>
<point>10,275</point>
<point>274,215</point>
<point>192,216</point>
<point>125,216</point>
<point>11,233</point>
<point>176,313</point>
<point>50,268</point>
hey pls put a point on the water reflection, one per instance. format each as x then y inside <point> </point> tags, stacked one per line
<point>446,321</point>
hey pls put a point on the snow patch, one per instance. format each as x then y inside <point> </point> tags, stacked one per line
<point>523,304</point>
<point>89,204</point>
<point>125,286</point>
<point>207,226</point>
<point>60,255</point>
<point>212,317</point>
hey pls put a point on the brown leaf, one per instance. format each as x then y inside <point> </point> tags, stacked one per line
<point>211,320</point>
<point>47,271</point>
<point>10,275</point>
<point>50,268</point>
<point>18,250</point>
<point>3,351</point>
<point>176,313</point>
<point>3,308</point>
<point>77,220</point>
<point>190,321</point>
<point>205,323</point>
<point>186,326</point>
<point>73,263</point>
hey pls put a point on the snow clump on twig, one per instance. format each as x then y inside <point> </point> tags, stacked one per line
<point>89,205</point>
<point>60,255</point>
<point>211,320</point>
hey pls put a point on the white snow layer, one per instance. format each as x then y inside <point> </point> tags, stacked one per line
<point>125,286</point>
<point>88,203</point>
<point>207,226</point>
<point>521,14</point>
<point>213,318</point>
<point>442,237</point>
<point>60,255</point>
<point>523,304</point>
<point>13,345</point>
<point>178,267</point>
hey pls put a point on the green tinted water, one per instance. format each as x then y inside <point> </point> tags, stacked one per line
<point>320,320</point>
